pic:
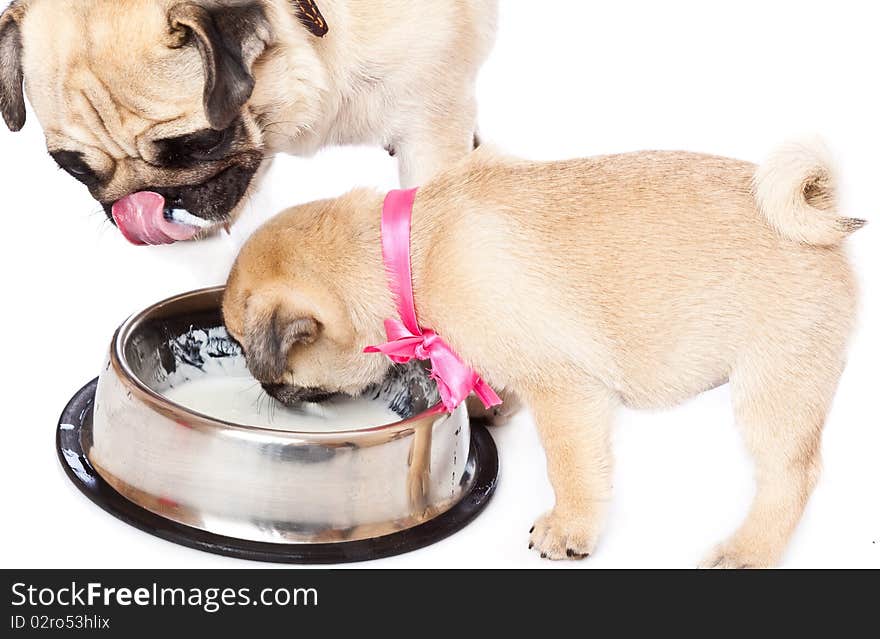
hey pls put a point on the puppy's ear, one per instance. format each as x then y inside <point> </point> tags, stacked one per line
<point>229,37</point>
<point>11,73</point>
<point>268,338</point>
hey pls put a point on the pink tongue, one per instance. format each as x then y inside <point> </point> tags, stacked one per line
<point>141,219</point>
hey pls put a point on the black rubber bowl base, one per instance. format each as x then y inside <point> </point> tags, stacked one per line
<point>77,416</point>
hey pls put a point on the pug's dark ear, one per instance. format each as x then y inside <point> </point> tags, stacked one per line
<point>11,72</point>
<point>229,37</point>
<point>268,339</point>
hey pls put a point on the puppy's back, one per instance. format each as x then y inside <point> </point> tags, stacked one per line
<point>644,265</point>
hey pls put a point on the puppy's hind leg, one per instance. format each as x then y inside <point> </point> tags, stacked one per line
<point>575,429</point>
<point>780,404</point>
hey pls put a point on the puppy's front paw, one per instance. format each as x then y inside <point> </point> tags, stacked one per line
<point>734,555</point>
<point>559,535</point>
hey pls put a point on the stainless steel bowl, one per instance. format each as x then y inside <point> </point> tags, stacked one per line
<point>256,483</point>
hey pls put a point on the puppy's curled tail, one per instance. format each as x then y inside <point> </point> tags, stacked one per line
<point>797,193</point>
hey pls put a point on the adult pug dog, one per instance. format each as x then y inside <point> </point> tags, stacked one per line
<point>166,109</point>
<point>638,280</point>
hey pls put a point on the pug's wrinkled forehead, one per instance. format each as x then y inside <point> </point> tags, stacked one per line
<point>144,101</point>
<point>117,75</point>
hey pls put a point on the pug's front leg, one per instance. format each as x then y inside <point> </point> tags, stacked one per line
<point>497,415</point>
<point>575,429</point>
<point>435,144</point>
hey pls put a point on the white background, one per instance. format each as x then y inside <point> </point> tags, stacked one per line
<point>566,79</point>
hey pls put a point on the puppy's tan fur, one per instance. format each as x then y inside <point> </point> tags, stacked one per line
<point>638,280</point>
<point>108,78</point>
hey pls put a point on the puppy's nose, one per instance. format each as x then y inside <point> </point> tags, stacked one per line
<point>272,389</point>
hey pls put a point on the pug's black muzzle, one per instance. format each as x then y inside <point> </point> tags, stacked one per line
<point>293,395</point>
<point>212,200</point>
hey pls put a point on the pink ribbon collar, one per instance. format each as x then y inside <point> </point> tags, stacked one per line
<point>406,339</point>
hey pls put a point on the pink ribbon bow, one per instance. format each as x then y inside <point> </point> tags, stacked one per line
<point>406,339</point>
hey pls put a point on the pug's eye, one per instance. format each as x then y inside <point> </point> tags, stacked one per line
<point>73,163</point>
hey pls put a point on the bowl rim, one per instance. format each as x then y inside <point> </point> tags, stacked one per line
<point>195,419</point>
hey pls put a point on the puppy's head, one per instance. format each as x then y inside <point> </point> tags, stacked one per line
<point>304,298</point>
<point>145,102</point>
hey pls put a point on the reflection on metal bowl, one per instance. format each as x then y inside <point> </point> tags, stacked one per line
<point>262,484</point>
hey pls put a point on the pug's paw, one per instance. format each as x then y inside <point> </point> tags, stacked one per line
<point>734,555</point>
<point>559,535</point>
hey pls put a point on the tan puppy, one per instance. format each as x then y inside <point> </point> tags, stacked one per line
<point>637,280</point>
<point>186,98</point>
